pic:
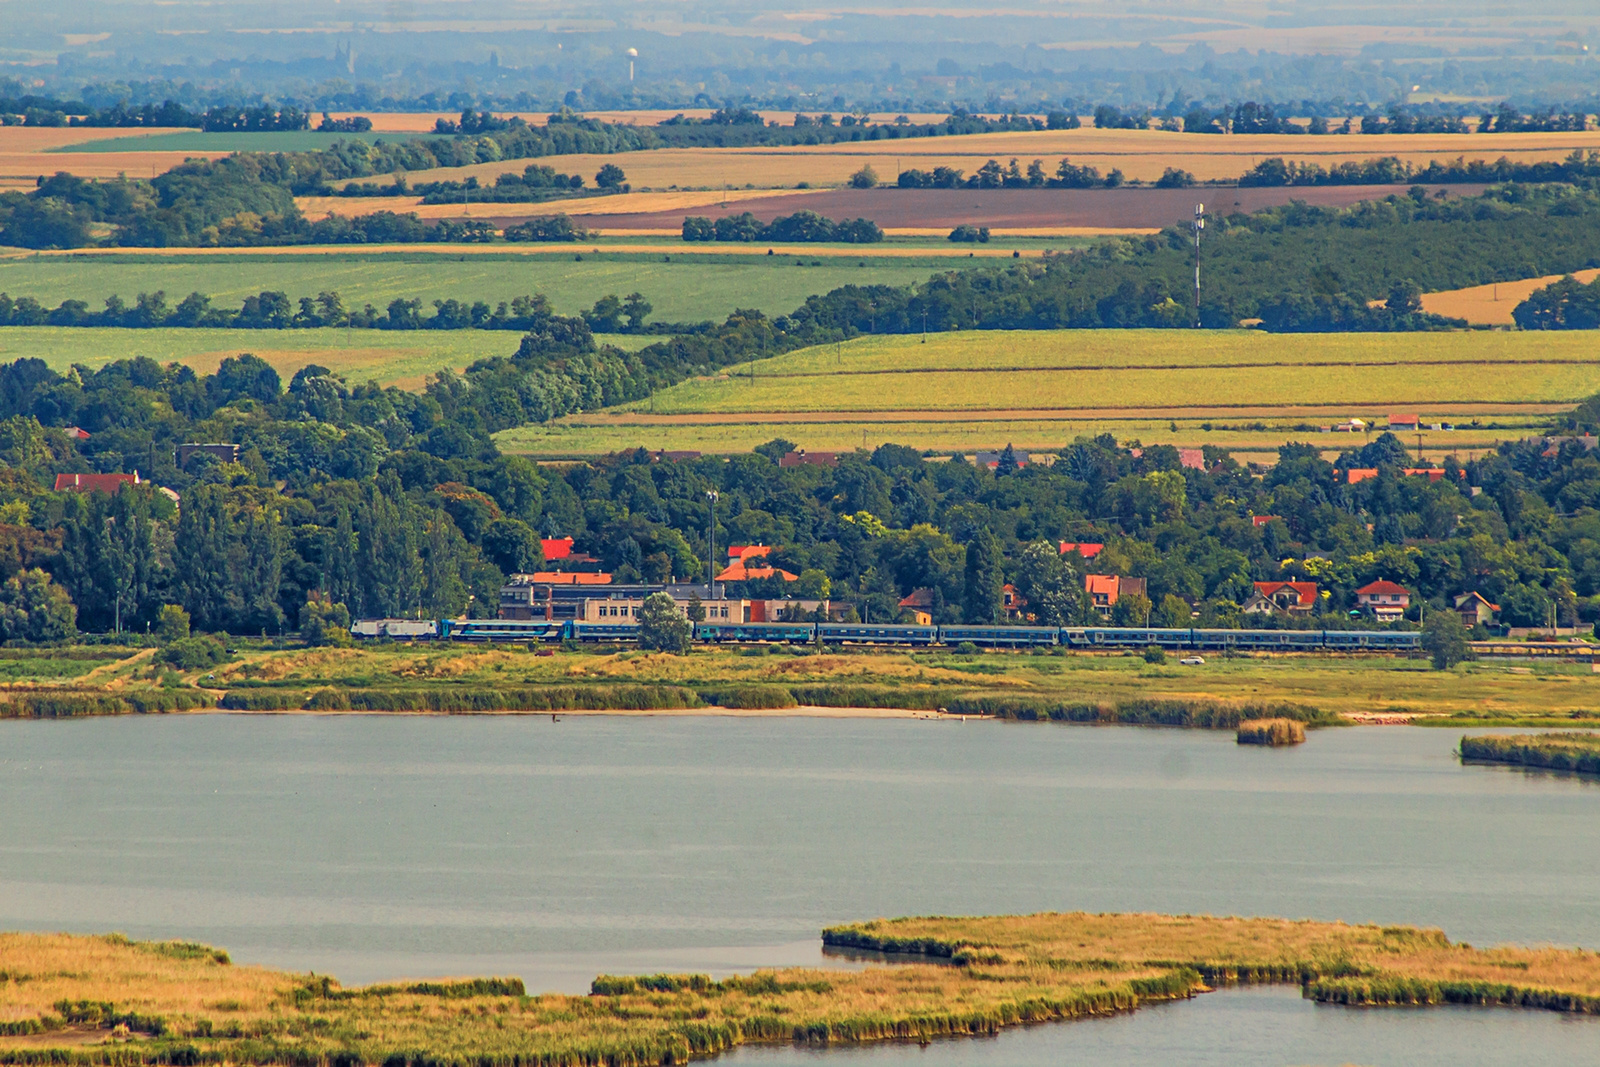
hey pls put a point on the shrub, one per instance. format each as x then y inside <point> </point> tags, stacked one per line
<point>1155,654</point>
<point>172,624</point>
<point>1444,639</point>
<point>194,653</point>
<point>970,234</point>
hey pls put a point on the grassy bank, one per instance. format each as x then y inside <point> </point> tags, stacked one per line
<point>107,1000</point>
<point>1561,752</point>
<point>1054,686</point>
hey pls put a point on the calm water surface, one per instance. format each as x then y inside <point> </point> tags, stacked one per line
<point>372,847</point>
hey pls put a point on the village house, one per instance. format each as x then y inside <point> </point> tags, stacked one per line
<point>1386,601</point>
<point>801,458</point>
<point>991,460</point>
<point>741,568</point>
<point>1106,589</point>
<point>1475,610</point>
<point>96,483</point>
<point>1282,598</point>
<point>920,605</point>
<point>1086,549</point>
<point>1408,423</point>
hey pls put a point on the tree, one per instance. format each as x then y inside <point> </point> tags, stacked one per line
<point>1050,587</point>
<point>983,590</point>
<point>172,623</point>
<point>610,176</point>
<point>1444,639</point>
<point>662,627</point>
<point>323,621</point>
<point>1131,609</point>
<point>636,308</point>
<point>34,608</point>
<point>1174,613</point>
<point>1405,297</point>
<point>865,178</point>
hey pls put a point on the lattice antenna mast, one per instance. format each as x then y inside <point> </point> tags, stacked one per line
<point>1199,225</point>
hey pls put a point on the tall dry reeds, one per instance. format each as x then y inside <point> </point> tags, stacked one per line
<point>1272,732</point>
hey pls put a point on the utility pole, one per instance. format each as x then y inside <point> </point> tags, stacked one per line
<point>1199,224</point>
<point>711,536</point>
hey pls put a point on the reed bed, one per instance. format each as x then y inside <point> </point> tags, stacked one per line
<point>119,1003</point>
<point>1579,752</point>
<point>64,704</point>
<point>1195,712</point>
<point>1273,732</point>
<point>460,700</point>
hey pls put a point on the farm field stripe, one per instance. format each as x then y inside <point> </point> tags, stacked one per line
<point>733,373</point>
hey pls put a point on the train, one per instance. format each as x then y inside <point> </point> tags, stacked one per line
<point>897,635</point>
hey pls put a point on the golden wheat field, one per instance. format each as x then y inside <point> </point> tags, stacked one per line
<point>27,152</point>
<point>1140,154</point>
<point>1240,390</point>
<point>1491,305</point>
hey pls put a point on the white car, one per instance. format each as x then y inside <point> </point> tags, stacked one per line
<point>1193,661</point>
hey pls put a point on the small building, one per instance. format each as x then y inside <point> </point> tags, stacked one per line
<point>222,453</point>
<point>1351,426</point>
<point>1015,604</point>
<point>558,553</point>
<point>95,483</point>
<point>920,604</point>
<point>545,594</point>
<point>665,455</point>
<point>1086,549</point>
<point>1259,521</point>
<point>76,433</point>
<point>1386,600</point>
<point>801,458</point>
<point>1282,598</point>
<point>743,568</point>
<point>1106,589</point>
<point>1404,422</point>
<point>1475,610</point>
<point>1357,475</point>
<point>1552,445</point>
<point>1192,458</point>
<point>991,460</point>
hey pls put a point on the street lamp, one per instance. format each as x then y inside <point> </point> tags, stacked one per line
<point>711,537</point>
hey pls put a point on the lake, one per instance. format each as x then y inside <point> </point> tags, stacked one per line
<point>377,847</point>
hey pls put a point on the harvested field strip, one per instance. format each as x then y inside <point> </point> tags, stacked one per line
<point>1182,366</point>
<point>1394,387</point>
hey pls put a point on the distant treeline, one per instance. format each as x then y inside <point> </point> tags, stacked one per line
<point>801,227</point>
<point>1252,117</point>
<point>275,310</point>
<point>38,111</point>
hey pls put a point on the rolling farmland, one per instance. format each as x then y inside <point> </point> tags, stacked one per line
<point>390,357</point>
<point>1241,390</point>
<point>681,290</point>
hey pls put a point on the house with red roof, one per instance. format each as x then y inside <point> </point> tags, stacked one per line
<point>1282,598</point>
<point>920,604</point>
<point>742,565</point>
<point>1386,600</point>
<point>1475,610</point>
<point>1086,549</point>
<point>1106,589</point>
<point>95,483</point>
<point>1259,521</point>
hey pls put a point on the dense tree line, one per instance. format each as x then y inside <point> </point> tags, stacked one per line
<point>801,227</point>
<point>274,310</point>
<point>380,502</point>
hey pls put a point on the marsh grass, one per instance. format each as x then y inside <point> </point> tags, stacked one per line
<point>1271,732</point>
<point>1579,752</point>
<point>183,1004</point>
<point>62,704</point>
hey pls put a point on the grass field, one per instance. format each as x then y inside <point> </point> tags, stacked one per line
<point>681,289</point>
<point>1040,389</point>
<point>155,1002</point>
<point>1329,686</point>
<point>389,357</point>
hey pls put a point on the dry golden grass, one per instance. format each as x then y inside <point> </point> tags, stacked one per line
<point>1492,304</point>
<point>165,1001</point>
<point>1139,154</point>
<point>28,151</point>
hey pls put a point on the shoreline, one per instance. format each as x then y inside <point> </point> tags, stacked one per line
<point>803,711</point>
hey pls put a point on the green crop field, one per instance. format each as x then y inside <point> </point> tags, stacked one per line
<point>1242,390</point>
<point>389,357</point>
<point>233,141</point>
<point>684,289</point>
